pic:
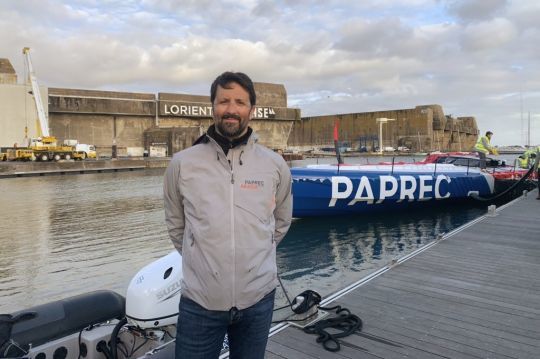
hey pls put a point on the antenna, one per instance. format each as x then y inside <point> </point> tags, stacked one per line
<point>523,138</point>
<point>529,131</point>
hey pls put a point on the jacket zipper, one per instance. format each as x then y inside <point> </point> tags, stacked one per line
<point>231,209</point>
<point>233,247</point>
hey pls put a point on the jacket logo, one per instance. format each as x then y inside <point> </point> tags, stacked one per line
<point>252,184</point>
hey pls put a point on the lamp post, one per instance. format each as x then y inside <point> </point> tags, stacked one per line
<point>380,121</point>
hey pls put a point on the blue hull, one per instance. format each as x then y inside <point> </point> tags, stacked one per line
<point>326,191</point>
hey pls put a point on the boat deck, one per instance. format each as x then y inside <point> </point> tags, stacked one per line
<point>475,293</point>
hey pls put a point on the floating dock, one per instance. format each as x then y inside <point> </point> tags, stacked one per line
<point>473,293</point>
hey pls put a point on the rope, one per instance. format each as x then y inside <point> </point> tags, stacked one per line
<point>286,295</point>
<point>512,187</point>
<point>345,323</point>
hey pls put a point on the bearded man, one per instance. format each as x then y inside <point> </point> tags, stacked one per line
<point>228,204</point>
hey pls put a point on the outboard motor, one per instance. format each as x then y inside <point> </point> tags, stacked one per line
<point>93,325</point>
<point>153,295</point>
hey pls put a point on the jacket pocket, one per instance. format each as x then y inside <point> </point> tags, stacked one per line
<point>256,195</point>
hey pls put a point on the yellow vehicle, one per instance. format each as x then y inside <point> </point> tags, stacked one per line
<point>89,151</point>
<point>46,147</point>
<point>19,154</point>
<point>49,153</point>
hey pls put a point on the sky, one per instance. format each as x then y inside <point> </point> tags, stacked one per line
<point>474,58</point>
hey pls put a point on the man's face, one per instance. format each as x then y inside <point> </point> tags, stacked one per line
<point>232,110</point>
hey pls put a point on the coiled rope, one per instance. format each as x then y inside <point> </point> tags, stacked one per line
<point>345,323</point>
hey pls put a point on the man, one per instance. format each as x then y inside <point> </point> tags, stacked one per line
<point>483,147</point>
<point>536,163</point>
<point>228,204</point>
<point>531,159</point>
<point>528,158</point>
<point>538,181</point>
<point>523,161</point>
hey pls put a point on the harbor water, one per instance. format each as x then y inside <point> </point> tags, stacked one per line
<point>65,235</point>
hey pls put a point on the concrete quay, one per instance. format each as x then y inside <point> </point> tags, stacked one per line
<point>25,169</point>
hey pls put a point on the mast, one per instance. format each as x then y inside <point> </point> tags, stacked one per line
<point>529,131</point>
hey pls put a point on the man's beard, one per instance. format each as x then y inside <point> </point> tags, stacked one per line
<point>233,130</point>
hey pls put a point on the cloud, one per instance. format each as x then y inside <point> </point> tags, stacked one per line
<point>488,35</point>
<point>473,10</point>
<point>333,56</point>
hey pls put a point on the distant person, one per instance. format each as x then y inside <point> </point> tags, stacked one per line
<point>483,148</point>
<point>228,204</point>
<point>523,161</point>
<point>538,181</point>
<point>536,163</point>
<point>530,157</point>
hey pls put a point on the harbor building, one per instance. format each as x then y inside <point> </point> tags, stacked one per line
<point>420,129</point>
<point>132,123</point>
<point>161,124</point>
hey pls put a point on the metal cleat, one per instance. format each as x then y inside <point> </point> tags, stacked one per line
<point>492,211</point>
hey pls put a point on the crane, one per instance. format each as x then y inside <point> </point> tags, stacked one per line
<point>45,147</point>
<point>42,115</point>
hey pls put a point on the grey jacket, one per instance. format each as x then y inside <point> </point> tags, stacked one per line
<point>226,216</point>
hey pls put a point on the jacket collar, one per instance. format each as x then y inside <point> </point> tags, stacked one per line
<point>249,137</point>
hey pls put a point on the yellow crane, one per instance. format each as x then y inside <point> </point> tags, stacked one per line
<point>45,147</point>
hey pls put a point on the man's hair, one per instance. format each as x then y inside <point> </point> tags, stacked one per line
<point>489,133</point>
<point>240,78</point>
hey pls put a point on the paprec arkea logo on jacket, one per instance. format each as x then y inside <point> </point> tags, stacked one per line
<point>250,184</point>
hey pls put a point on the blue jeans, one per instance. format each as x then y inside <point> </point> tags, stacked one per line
<point>200,332</point>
